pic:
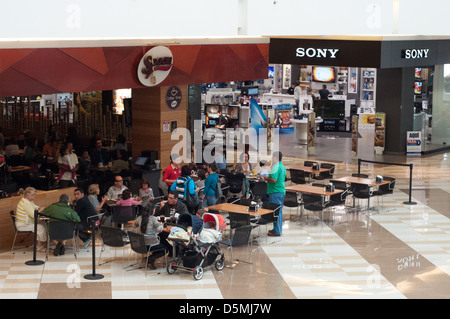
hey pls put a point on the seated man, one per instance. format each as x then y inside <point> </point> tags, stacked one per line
<point>86,211</point>
<point>172,207</point>
<point>61,210</point>
<point>117,189</point>
<point>99,154</point>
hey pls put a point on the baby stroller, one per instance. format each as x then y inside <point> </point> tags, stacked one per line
<point>197,251</point>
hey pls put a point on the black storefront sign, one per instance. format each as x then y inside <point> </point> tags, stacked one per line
<point>173,97</point>
<point>325,52</point>
<point>359,53</point>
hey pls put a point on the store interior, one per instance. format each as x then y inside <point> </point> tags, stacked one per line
<point>353,92</point>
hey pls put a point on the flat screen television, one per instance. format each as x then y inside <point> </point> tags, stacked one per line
<point>253,91</point>
<point>417,87</point>
<point>418,73</point>
<point>141,161</point>
<point>323,74</point>
<point>329,109</point>
<point>249,91</point>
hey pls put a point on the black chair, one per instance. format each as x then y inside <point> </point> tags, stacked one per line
<point>140,246</point>
<point>361,191</point>
<point>60,230</point>
<point>240,238</point>
<point>124,214</point>
<point>244,201</point>
<point>291,200</point>
<point>339,184</point>
<point>238,220</point>
<point>314,203</point>
<point>385,189</point>
<point>258,190</point>
<point>297,176</point>
<point>236,183</point>
<point>326,175</point>
<point>309,164</point>
<point>270,218</point>
<point>28,232</point>
<point>113,237</point>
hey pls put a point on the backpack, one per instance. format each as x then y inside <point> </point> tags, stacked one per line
<point>192,200</point>
<point>219,192</point>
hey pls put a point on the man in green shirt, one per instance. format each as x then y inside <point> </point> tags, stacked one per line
<point>276,190</point>
<point>61,210</point>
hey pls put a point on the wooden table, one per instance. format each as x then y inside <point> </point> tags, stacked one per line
<point>21,168</point>
<point>360,180</point>
<point>240,209</point>
<point>307,169</point>
<point>317,190</point>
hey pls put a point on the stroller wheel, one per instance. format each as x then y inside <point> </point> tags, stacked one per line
<point>220,263</point>
<point>198,273</point>
<point>171,268</point>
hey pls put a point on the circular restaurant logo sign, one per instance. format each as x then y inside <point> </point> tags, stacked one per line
<point>155,66</point>
<point>173,97</point>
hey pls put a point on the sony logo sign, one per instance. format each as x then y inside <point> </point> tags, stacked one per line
<point>415,53</point>
<point>316,53</point>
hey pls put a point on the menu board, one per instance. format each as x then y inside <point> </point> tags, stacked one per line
<point>380,130</point>
<point>355,121</point>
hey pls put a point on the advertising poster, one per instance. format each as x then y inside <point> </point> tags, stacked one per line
<point>258,121</point>
<point>413,142</point>
<point>311,133</point>
<point>380,130</point>
<point>283,115</point>
<point>355,121</point>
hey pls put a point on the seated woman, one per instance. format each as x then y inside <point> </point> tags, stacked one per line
<point>244,166</point>
<point>126,199</point>
<point>94,191</point>
<point>25,217</point>
<point>152,228</point>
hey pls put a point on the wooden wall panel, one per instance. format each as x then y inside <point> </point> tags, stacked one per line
<point>149,113</point>
<point>179,115</point>
<point>43,198</point>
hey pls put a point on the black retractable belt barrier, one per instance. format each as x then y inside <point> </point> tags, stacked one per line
<point>35,262</point>
<point>409,202</point>
<point>93,276</point>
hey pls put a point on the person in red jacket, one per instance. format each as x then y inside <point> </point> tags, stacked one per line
<point>173,171</point>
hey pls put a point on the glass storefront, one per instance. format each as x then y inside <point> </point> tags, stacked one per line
<point>440,125</point>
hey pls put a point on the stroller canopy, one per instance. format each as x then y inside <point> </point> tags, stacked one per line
<point>215,221</point>
<point>187,220</point>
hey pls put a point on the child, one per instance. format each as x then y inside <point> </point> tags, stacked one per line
<point>127,200</point>
<point>201,180</point>
<point>264,169</point>
<point>66,165</point>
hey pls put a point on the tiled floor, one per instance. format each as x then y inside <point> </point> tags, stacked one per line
<point>402,252</point>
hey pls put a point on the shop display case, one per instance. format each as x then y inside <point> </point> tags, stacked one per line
<point>368,87</point>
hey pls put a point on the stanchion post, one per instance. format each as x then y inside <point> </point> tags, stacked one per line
<point>410,202</point>
<point>359,166</point>
<point>35,262</point>
<point>93,276</point>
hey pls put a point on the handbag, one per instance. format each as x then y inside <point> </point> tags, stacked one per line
<point>192,200</point>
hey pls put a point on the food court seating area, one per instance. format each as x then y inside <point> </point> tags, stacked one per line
<point>317,256</point>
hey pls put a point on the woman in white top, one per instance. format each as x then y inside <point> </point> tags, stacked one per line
<point>244,166</point>
<point>25,217</point>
